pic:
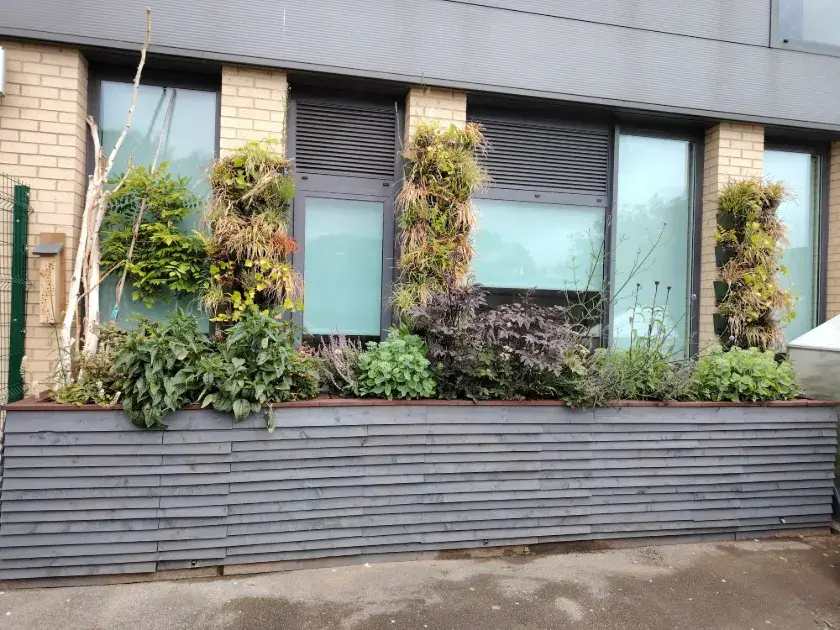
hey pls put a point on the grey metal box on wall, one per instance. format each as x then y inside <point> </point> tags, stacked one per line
<point>84,492</point>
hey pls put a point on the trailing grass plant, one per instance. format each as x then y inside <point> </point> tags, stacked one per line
<point>752,238</point>
<point>435,214</point>
<point>250,248</point>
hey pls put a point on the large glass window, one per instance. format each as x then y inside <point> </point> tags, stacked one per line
<point>799,171</point>
<point>652,239</point>
<point>343,262</point>
<point>804,23</point>
<point>189,142</point>
<point>523,245</point>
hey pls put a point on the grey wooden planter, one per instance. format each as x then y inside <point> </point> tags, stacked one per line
<point>84,492</point>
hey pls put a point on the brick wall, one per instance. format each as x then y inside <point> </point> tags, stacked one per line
<point>833,262</point>
<point>445,106</point>
<point>733,151</point>
<point>253,106</point>
<point>43,142</point>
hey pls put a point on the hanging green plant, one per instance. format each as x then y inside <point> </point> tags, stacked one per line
<point>250,249</point>
<point>167,259</point>
<point>436,215</point>
<point>751,238</point>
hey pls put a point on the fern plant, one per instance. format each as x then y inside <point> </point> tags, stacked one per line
<point>167,259</point>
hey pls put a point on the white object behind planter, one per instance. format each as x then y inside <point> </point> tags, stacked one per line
<point>816,359</point>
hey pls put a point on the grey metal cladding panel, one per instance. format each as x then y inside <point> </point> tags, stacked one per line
<point>554,57</point>
<point>744,21</point>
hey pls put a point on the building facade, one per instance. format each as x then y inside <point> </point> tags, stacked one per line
<point>612,127</point>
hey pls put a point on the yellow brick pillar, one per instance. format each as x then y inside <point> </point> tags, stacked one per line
<point>43,142</point>
<point>444,106</point>
<point>733,151</point>
<point>254,102</point>
<point>833,262</point>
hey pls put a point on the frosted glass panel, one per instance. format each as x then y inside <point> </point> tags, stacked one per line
<point>188,145</point>
<point>653,239</point>
<point>523,245</point>
<point>796,170</point>
<point>343,267</point>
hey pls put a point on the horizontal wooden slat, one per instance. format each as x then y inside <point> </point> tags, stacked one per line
<point>85,492</point>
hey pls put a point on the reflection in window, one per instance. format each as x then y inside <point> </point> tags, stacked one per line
<point>522,245</point>
<point>810,21</point>
<point>653,239</point>
<point>342,267</point>
<point>189,142</point>
<point>800,173</point>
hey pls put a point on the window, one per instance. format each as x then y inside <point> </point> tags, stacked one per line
<point>653,239</point>
<point>522,245</point>
<point>345,150</point>
<point>810,25</point>
<point>541,224</point>
<point>800,172</point>
<point>189,145</point>
<point>343,266</point>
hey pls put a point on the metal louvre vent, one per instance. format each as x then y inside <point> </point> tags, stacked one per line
<point>528,155</point>
<point>345,139</point>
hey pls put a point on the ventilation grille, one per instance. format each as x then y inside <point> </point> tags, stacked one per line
<point>349,140</point>
<point>566,159</point>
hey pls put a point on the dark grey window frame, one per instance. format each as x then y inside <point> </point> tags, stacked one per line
<point>694,135</point>
<point>210,81</point>
<point>356,188</point>
<point>823,153</point>
<point>696,142</point>
<point>801,45</point>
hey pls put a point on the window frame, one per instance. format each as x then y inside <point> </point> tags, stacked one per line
<point>209,81</point>
<point>351,188</point>
<point>823,154</point>
<point>777,40</point>
<point>696,140</point>
<point>536,194</point>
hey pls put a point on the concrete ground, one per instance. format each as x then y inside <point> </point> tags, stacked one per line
<point>786,583</point>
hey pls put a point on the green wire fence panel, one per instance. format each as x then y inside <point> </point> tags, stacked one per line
<point>14,231</point>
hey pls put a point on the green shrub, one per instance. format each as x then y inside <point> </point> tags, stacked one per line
<point>744,375</point>
<point>257,365</point>
<point>98,383</point>
<point>158,361</point>
<point>643,372</point>
<point>396,368</point>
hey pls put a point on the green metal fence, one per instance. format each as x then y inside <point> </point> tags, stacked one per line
<point>14,231</point>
